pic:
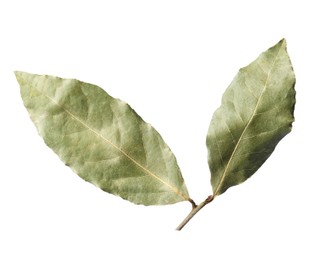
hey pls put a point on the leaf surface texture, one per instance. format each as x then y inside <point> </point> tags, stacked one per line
<point>103,139</point>
<point>255,114</point>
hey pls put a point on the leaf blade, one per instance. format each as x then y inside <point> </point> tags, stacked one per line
<point>255,114</point>
<point>103,139</point>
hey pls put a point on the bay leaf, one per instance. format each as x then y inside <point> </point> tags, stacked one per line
<point>103,139</point>
<point>255,114</point>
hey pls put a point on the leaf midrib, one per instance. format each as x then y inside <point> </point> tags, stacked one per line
<point>247,125</point>
<point>147,171</point>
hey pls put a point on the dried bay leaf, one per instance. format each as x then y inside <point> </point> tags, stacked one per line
<point>103,139</point>
<point>255,114</point>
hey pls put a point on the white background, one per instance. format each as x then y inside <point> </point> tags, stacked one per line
<point>171,61</point>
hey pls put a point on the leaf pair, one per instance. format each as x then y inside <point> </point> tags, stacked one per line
<point>108,144</point>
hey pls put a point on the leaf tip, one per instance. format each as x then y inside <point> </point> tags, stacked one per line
<point>282,42</point>
<point>18,74</point>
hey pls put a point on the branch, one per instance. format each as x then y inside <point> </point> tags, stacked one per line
<point>195,210</point>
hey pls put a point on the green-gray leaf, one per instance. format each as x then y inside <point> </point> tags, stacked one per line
<point>255,114</point>
<point>103,140</point>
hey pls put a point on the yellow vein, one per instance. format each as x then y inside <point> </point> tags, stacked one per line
<point>247,125</point>
<point>120,150</point>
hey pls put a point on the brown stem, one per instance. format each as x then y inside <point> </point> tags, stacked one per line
<point>195,210</point>
<point>193,203</point>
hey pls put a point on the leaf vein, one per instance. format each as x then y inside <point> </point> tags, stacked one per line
<point>233,140</point>
<point>263,133</point>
